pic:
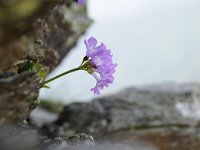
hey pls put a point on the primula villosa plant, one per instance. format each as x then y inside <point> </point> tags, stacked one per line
<point>97,62</point>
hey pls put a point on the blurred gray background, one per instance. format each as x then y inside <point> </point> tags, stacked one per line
<point>153,41</point>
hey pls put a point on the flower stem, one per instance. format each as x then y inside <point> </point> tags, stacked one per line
<point>62,74</point>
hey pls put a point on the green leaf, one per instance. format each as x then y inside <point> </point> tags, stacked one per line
<point>27,67</point>
<point>37,67</point>
<point>41,69</point>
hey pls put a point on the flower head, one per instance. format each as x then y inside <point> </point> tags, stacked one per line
<point>100,60</point>
<point>81,2</point>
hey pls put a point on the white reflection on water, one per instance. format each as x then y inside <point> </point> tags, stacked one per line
<point>152,41</point>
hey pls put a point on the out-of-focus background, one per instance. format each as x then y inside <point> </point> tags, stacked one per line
<point>153,41</point>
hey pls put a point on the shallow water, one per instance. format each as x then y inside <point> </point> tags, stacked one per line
<point>152,42</point>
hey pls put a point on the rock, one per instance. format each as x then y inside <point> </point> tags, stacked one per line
<point>66,25</point>
<point>143,118</point>
<point>35,35</point>
<point>24,137</point>
<point>18,139</point>
<point>18,96</point>
<point>145,107</point>
<point>80,140</point>
<point>75,142</point>
<point>91,116</point>
<point>28,49</point>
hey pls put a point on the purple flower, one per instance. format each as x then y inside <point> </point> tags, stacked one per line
<point>90,46</point>
<point>100,59</point>
<point>81,2</point>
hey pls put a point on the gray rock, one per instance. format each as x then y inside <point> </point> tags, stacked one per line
<point>137,108</point>
<point>46,36</point>
<point>75,142</point>
<point>18,96</point>
<point>24,137</point>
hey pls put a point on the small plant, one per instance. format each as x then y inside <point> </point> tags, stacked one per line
<point>97,62</point>
<point>35,66</point>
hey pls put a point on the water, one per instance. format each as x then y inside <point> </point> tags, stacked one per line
<point>152,42</point>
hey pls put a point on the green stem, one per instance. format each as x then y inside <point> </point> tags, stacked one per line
<point>62,74</point>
